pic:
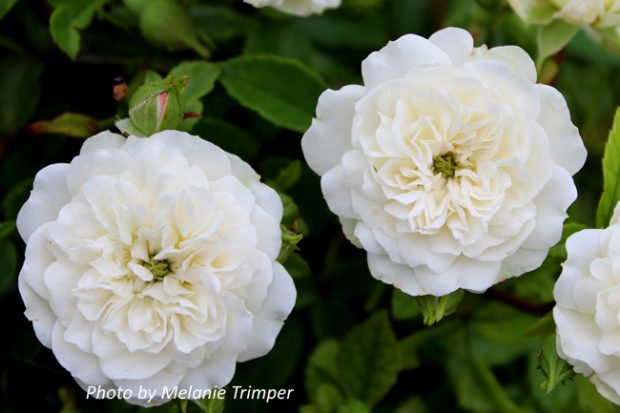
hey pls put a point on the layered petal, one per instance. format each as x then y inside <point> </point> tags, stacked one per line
<point>453,167</point>
<point>150,263</point>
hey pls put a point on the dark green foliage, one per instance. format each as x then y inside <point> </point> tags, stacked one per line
<point>352,344</point>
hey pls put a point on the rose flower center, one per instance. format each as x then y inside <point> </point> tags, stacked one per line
<point>445,165</point>
<point>159,268</point>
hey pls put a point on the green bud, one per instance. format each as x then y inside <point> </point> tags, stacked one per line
<point>165,23</point>
<point>158,106</point>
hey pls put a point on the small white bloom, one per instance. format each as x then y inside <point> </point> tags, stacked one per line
<point>587,296</point>
<point>599,13</point>
<point>450,166</point>
<point>151,262</point>
<point>596,13</point>
<point>297,7</point>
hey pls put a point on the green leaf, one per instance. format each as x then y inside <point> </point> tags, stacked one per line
<point>369,359</point>
<point>281,90</point>
<point>287,177</point>
<point>5,6</point>
<point>404,306</point>
<point>337,32</point>
<point>290,239</point>
<point>534,11</point>
<point>227,136</point>
<point>555,369</point>
<point>202,77</point>
<point>279,38</point>
<point>169,25</point>
<point>6,229</point>
<point>14,200</point>
<point>8,262</point>
<point>290,215</point>
<point>192,112</point>
<point>562,400</point>
<point>149,77</point>
<point>542,328</point>
<point>611,175</point>
<point>321,366</point>
<point>20,87</point>
<point>375,296</point>
<point>211,405</point>
<point>353,406</point>
<point>434,309</point>
<point>410,346</point>
<point>220,23</point>
<point>299,269</point>
<point>360,6</point>
<point>590,400</point>
<point>71,124</point>
<point>553,37</point>
<point>414,404</point>
<point>68,18</point>
<point>478,389</point>
<point>327,398</point>
<point>324,324</point>
<point>307,408</point>
<point>497,333</point>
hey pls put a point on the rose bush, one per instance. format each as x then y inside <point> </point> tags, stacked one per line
<point>587,296</point>
<point>297,7</point>
<point>151,262</point>
<point>597,13</point>
<point>450,166</point>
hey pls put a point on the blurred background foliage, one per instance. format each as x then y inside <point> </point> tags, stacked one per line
<point>352,344</point>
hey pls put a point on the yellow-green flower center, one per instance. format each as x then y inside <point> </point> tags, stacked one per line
<point>445,164</point>
<point>159,268</point>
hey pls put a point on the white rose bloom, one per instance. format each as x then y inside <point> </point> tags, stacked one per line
<point>587,296</point>
<point>597,13</point>
<point>151,262</point>
<point>601,13</point>
<point>297,7</point>
<point>451,167</point>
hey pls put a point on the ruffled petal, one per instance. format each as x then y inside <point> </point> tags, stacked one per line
<point>49,194</point>
<point>399,57</point>
<point>269,320</point>
<point>457,43</point>
<point>329,136</point>
<point>567,148</point>
<point>83,366</point>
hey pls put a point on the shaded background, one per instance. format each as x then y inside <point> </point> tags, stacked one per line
<point>352,344</point>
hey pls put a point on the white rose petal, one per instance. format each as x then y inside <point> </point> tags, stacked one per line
<point>297,7</point>
<point>151,262</point>
<point>450,165</point>
<point>587,296</point>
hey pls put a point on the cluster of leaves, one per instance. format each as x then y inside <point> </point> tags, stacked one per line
<point>352,344</point>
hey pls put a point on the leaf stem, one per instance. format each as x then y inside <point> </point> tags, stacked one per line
<point>520,303</point>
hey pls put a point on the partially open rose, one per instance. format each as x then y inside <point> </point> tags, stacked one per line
<point>596,13</point>
<point>297,7</point>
